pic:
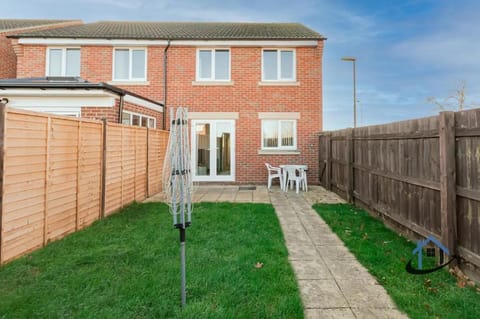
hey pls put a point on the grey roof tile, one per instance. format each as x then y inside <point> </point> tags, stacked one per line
<point>15,24</point>
<point>182,31</point>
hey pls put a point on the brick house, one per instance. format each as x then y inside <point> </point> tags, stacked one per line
<point>8,65</point>
<point>254,90</point>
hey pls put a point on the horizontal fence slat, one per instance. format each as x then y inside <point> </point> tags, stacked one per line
<point>468,193</point>
<point>56,171</point>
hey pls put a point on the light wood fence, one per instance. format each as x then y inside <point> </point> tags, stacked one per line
<point>60,174</point>
<point>423,174</point>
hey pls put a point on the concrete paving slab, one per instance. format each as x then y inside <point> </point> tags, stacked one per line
<point>325,239</point>
<point>311,269</point>
<point>244,197</point>
<point>347,269</point>
<point>210,197</point>
<point>326,313</point>
<point>301,251</point>
<point>361,294</point>
<point>378,313</point>
<point>227,197</point>
<point>335,252</point>
<point>299,237</point>
<point>321,294</point>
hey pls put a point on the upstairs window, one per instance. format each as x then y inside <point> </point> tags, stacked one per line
<point>130,65</point>
<point>278,65</point>
<point>279,134</point>
<point>213,65</point>
<point>63,62</point>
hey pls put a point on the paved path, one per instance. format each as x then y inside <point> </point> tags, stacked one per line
<point>333,284</point>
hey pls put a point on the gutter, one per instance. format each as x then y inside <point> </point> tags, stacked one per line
<point>165,56</point>
<point>120,108</point>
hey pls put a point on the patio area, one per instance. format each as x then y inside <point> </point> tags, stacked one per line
<point>255,194</point>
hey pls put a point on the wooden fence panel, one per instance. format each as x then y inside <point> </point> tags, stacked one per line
<point>467,126</point>
<point>157,146</point>
<point>89,181</point>
<point>404,171</point>
<point>113,169</point>
<point>24,177</point>
<point>61,181</point>
<point>140,181</point>
<point>128,165</point>
<point>54,174</point>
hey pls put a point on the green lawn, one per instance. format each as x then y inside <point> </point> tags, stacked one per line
<point>385,253</point>
<point>127,266</point>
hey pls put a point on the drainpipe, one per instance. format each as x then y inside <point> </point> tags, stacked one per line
<point>120,109</point>
<point>165,84</point>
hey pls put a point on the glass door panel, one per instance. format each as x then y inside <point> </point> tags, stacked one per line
<point>223,133</point>
<point>213,150</point>
<point>202,139</point>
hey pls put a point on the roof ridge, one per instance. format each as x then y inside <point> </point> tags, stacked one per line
<point>182,30</point>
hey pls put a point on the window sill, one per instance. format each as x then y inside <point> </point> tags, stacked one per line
<point>129,82</point>
<point>279,83</point>
<point>279,152</point>
<point>212,83</point>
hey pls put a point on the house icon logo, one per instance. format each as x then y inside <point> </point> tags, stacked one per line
<point>419,252</point>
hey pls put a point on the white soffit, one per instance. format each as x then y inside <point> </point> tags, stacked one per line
<point>189,43</point>
<point>141,102</point>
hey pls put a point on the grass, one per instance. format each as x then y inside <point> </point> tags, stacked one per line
<point>385,254</point>
<point>127,266</point>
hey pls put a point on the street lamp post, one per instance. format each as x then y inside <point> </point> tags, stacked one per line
<point>352,59</point>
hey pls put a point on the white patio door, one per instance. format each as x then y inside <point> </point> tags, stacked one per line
<point>213,150</point>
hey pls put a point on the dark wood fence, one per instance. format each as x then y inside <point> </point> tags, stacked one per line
<point>423,174</point>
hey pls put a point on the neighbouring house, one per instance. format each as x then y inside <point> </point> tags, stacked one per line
<point>254,90</point>
<point>76,97</point>
<point>8,58</point>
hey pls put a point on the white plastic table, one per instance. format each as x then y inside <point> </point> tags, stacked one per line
<point>284,173</point>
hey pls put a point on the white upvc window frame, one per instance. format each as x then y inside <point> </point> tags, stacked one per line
<point>130,64</point>
<point>279,66</point>
<point>212,71</point>
<point>279,137</point>
<point>148,117</point>
<point>63,62</point>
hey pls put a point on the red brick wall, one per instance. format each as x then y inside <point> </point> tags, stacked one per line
<point>99,113</point>
<point>245,96</point>
<point>7,58</point>
<point>8,65</point>
<point>111,114</point>
<point>248,98</point>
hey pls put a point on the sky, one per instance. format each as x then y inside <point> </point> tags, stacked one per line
<point>406,50</point>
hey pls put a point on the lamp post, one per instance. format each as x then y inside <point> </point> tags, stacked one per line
<point>353,59</point>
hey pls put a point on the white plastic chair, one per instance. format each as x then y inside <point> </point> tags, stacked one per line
<point>296,175</point>
<point>303,174</point>
<point>274,172</point>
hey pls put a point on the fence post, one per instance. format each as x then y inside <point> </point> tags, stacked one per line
<point>448,210</point>
<point>350,168</point>
<point>147,166</point>
<point>47,179</point>
<point>2,159</point>
<point>328,169</point>
<point>104,168</point>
